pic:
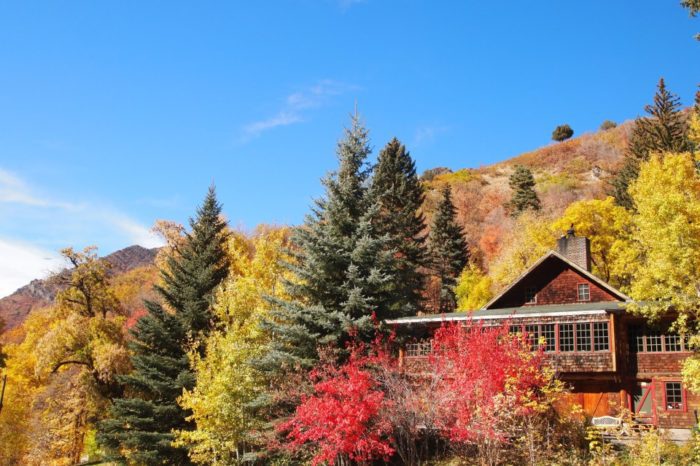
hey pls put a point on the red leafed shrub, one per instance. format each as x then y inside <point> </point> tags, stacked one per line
<point>343,418</point>
<point>481,392</point>
<point>488,379</point>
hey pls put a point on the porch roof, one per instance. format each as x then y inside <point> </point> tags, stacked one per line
<point>549,310</point>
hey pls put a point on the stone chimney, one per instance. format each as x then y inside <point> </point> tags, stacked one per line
<point>575,248</point>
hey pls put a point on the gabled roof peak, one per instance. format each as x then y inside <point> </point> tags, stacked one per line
<point>553,254</point>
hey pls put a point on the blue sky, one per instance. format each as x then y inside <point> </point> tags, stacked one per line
<point>115,114</point>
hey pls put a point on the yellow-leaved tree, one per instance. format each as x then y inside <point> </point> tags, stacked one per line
<point>473,288</point>
<point>694,127</point>
<point>530,237</point>
<point>667,239</point>
<point>64,368</point>
<point>227,383</point>
<point>23,385</point>
<point>609,228</point>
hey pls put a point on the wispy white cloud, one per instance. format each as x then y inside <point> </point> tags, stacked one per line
<point>296,106</point>
<point>138,233</point>
<point>22,263</point>
<point>40,216</point>
<point>427,134</point>
<point>283,118</point>
<point>14,190</point>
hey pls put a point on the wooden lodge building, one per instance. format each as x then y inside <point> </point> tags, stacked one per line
<point>609,358</point>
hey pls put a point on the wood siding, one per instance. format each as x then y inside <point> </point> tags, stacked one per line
<point>555,282</point>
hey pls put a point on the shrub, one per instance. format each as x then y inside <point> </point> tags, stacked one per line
<point>562,133</point>
<point>607,124</point>
<point>431,173</point>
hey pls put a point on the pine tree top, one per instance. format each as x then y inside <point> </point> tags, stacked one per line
<point>197,267</point>
<point>663,130</point>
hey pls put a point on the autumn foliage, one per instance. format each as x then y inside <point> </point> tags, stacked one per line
<point>481,382</point>
<point>343,417</point>
<point>484,372</point>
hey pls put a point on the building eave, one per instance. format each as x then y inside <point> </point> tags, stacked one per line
<point>524,312</point>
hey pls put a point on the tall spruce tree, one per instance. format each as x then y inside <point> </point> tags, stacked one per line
<point>397,196</point>
<point>663,130</point>
<point>524,197</point>
<point>341,265</point>
<point>448,250</point>
<point>140,424</point>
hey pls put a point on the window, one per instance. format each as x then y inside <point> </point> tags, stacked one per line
<point>530,296</point>
<point>639,341</point>
<point>547,332</point>
<point>583,337</point>
<point>674,396</point>
<point>422,348</point>
<point>601,337</point>
<point>654,342</point>
<point>584,292</point>
<point>515,329</point>
<point>566,337</point>
<point>647,341</point>
<point>673,343</point>
<point>533,335</point>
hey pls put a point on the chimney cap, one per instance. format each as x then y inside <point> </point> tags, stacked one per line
<point>571,232</point>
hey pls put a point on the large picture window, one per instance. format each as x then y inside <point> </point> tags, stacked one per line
<point>601,337</point>
<point>533,335</point>
<point>550,341</point>
<point>566,337</point>
<point>583,337</point>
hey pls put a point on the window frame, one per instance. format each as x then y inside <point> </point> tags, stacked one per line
<point>681,391</point>
<point>594,342</point>
<point>581,338</point>
<point>554,342</point>
<point>531,295</point>
<point>573,337</point>
<point>588,292</point>
<point>642,341</point>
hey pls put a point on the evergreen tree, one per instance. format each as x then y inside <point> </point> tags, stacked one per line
<point>398,195</point>
<point>448,250</point>
<point>693,7</point>
<point>524,196</point>
<point>562,133</point>
<point>341,265</point>
<point>663,130</point>
<point>622,180</point>
<point>200,265</point>
<point>140,425</point>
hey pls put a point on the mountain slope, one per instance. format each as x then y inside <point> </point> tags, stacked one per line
<point>576,169</point>
<point>41,292</point>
